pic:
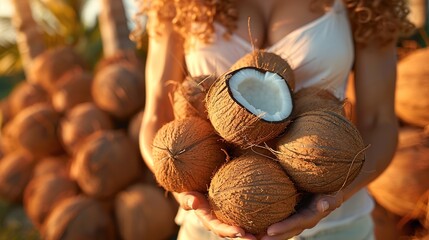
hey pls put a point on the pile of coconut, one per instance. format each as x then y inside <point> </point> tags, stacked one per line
<point>402,191</point>
<point>254,145</point>
<point>69,151</point>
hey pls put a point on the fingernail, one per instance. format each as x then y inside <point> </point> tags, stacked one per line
<point>238,235</point>
<point>324,205</point>
<point>189,202</point>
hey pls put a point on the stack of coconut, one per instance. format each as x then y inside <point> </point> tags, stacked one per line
<point>70,151</point>
<point>253,145</point>
<point>402,191</point>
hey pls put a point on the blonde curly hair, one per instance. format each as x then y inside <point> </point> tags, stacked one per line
<point>380,20</point>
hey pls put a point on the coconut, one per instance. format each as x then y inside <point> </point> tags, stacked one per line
<point>5,112</point>
<point>52,165</point>
<point>35,130</point>
<point>106,163</point>
<point>253,102</point>
<point>43,193</point>
<point>316,98</point>
<point>186,153</point>
<point>189,97</point>
<point>412,88</point>
<point>80,122</point>
<point>15,173</point>
<point>134,127</point>
<point>26,94</point>
<point>78,217</point>
<point>119,90</point>
<point>252,192</point>
<point>48,67</point>
<point>143,211</point>
<point>73,88</point>
<point>403,188</point>
<point>321,151</point>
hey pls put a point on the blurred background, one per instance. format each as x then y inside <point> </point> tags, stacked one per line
<point>76,23</point>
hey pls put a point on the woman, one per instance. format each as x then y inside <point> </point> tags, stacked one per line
<point>323,40</point>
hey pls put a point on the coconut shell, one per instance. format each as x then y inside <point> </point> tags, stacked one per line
<point>119,90</point>
<point>321,151</point>
<point>43,193</point>
<point>134,127</point>
<point>35,129</point>
<point>143,211</point>
<point>315,98</point>
<point>48,67</point>
<point>252,192</point>
<point>5,112</point>
<point>73,88</point>
<point>106,163</point>
<point>128,57</point>
<point>232,121</point>
<point>186,153</point>
<point>189,97</point>
<point>26,94</point>
<point>412,88</point>
<point>80,218</point>
<point>52,165</point>
<point>403,188</point>
<point>80,122</point>
<point>268,62</point>
<point>15,173</point>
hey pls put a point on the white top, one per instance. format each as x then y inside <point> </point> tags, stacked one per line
<point>320,53</point>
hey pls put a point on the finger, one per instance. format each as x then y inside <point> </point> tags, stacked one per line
<point>216,226</point>
<point>288,235</point>
<point>191,200</point>
<point>307,217</point>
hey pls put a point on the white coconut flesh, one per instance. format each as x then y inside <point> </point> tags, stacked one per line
<point>265,94</point>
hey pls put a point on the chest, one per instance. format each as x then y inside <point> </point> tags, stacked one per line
<point>263,23</point>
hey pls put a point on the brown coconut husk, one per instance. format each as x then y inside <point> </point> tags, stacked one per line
<point>386,224</point>
<point>186,153</point>
<point>321,151</point>
<point>233,122</point>
<point>128,57</point>
<point>81,218</point>
<point>52,165</point>
<point>43,193</point>
<point>119,89</point>
<point>15,173</point>
<point>5,112</point>
<point>412,88</point>
<point>316,98</point>
<point>26,94</point>
<point>35,129</point>
<point>189,97</point>
<point>252,192</point>
<point>106,163</point>
<point>403,188</point>
<point>80,122</point>
<point>268,62</point>
<point>48,67</point>
<point>143,211</point>
<point>72,89</point>
<point>134,127</point>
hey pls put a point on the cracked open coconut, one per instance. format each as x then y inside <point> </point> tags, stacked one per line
<point>252,103</point>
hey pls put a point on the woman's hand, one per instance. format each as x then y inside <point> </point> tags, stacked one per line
<point>306,217</point>
<point>198,202</point>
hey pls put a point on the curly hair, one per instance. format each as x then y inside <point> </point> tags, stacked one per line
<point>379,20</point>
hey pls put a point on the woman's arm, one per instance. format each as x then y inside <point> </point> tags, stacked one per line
<point>375,79</point>
<point>165,62</point>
